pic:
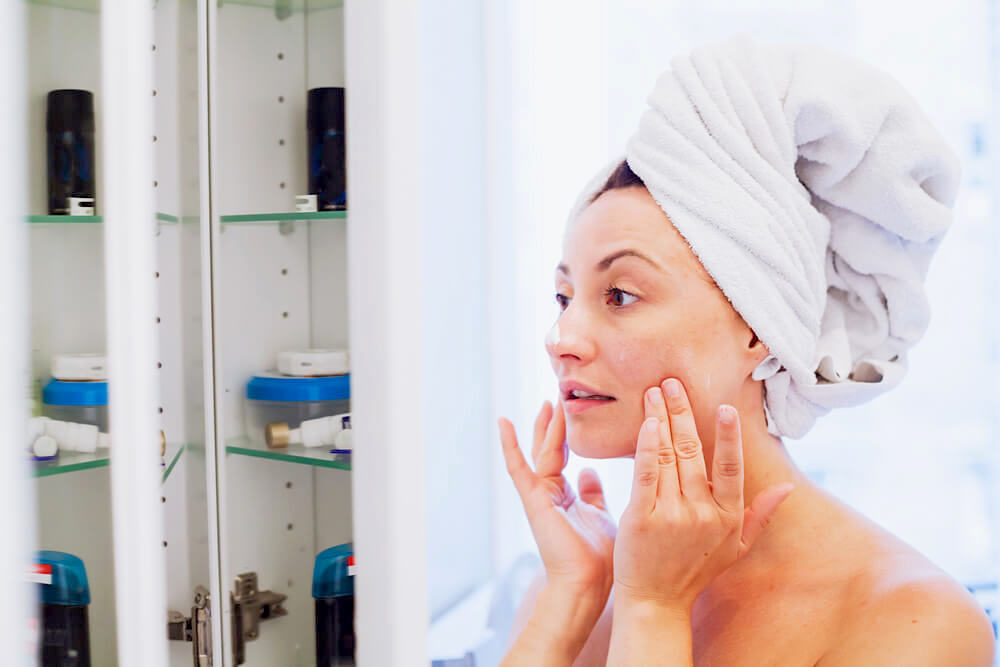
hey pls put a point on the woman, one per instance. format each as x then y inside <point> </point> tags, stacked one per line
<point>756,261</point>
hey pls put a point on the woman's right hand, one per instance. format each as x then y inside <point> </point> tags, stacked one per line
<point>575,534</point>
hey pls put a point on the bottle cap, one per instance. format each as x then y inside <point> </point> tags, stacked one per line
<point>325,109</point>
<point>277,435</point>
<point>274,387</point>
<point>45,447</point>
<point>80,367</point>
<point>333,573</point>
<point>63,579</point>
<point>311,363</point>
<point>58,392</point>
<point>71,110</point>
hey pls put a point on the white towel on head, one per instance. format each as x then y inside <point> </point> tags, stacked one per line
<point>814,191</point>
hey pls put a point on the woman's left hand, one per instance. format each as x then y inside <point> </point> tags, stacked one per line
<point>681,530</point>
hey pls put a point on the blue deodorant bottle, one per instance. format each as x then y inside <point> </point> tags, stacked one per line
<point>333,589</point>
<point>64,595</point>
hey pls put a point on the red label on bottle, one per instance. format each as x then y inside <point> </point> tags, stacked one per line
<point>40,573</point>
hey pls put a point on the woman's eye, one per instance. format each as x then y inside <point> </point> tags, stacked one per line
<point>620,298</point>
<point>562,300</point>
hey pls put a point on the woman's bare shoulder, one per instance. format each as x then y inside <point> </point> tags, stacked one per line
<point>900,608</point>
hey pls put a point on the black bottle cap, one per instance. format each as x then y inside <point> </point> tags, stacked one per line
<point>70,110</point>
<point>325,108</point>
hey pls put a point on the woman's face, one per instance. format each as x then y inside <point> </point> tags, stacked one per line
<point>637,308</point>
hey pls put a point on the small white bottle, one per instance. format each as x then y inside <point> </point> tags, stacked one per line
<point>311,433</point>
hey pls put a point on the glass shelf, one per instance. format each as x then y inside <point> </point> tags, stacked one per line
<point>250,218</point>
<point>68,462</point>
<point>162,218</point>
<point>71,462</point>
<point>66,219</point>
<point>312,456</point>
<point>92,6</point>
<point>293,5</point>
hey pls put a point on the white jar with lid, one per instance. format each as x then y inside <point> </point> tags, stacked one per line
<point>78,390</point>
<point>276,398</point>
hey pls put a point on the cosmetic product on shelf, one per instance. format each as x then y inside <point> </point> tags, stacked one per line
<point>307,363</point>
<point>327,154</point>
<point>324,431</point>
<point>78,391</point>
<point>72,173</point>
<point>45,448</point>
<point>333,590</point>
<point>316,384</point>
<point>64,595</point>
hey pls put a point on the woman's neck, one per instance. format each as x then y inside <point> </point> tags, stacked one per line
<point>766,463</point>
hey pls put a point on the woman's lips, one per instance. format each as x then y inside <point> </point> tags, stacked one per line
<point>575,406</point>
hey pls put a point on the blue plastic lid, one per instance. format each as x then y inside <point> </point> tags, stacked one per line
<point>66,577</point>
<point>331,576</point>
<point>284,388</point>
<point>60,392</point>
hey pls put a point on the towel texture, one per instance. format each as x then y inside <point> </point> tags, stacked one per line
<point>814,191</point>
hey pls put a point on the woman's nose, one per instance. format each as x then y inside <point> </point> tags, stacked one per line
<point>568,339</point>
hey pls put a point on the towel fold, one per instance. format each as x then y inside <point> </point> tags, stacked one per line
<point>814,191</point>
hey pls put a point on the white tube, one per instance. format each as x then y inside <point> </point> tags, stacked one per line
<point>36,428</point>
<point>320,432</point>
<point>45,446</point>
<point>69,435</point>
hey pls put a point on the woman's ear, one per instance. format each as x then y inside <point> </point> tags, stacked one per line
<point>758,350</point>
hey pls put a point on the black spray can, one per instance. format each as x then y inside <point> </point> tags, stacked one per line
<point>69,123</point>
<point>327,150</point>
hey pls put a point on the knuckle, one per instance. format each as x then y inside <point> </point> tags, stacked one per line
<point>728,468</point>
<point>648,478</point>
<point>687,447</point>
<point>666,456</point>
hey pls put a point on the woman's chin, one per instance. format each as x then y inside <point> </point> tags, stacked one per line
<point>592,443</point>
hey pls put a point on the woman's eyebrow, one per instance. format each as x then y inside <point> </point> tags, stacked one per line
<point>606,263</point>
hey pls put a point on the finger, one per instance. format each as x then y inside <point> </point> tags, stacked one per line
<point>646,474</point>
<point>552,457</point>
<point>541,424</point>
<point>757,517</point>
<point>727,461</point>
<point>517,467</point>
<point>669,487</point>
<point>589,485</point>
<point>687,444</point>
<point>655,405</point>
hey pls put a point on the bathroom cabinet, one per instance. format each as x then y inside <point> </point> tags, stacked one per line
<point>194,271</point>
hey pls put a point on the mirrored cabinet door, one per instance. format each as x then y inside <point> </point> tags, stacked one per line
<point>280,331</point>
<point>185,494</point>
<point>68,433</point>
<point>70,444</point>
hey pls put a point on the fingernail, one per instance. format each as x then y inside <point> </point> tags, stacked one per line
<point>650,424</point>
<point>651,394</point>
<point>727,414</point>
<point>672,388</point>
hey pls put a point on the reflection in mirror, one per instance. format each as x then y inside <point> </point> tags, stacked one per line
<point>68,437</point>
<point>284,396</point>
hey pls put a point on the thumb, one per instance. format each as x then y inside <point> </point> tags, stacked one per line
<point>590,489</point>
<point>758,516</point>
